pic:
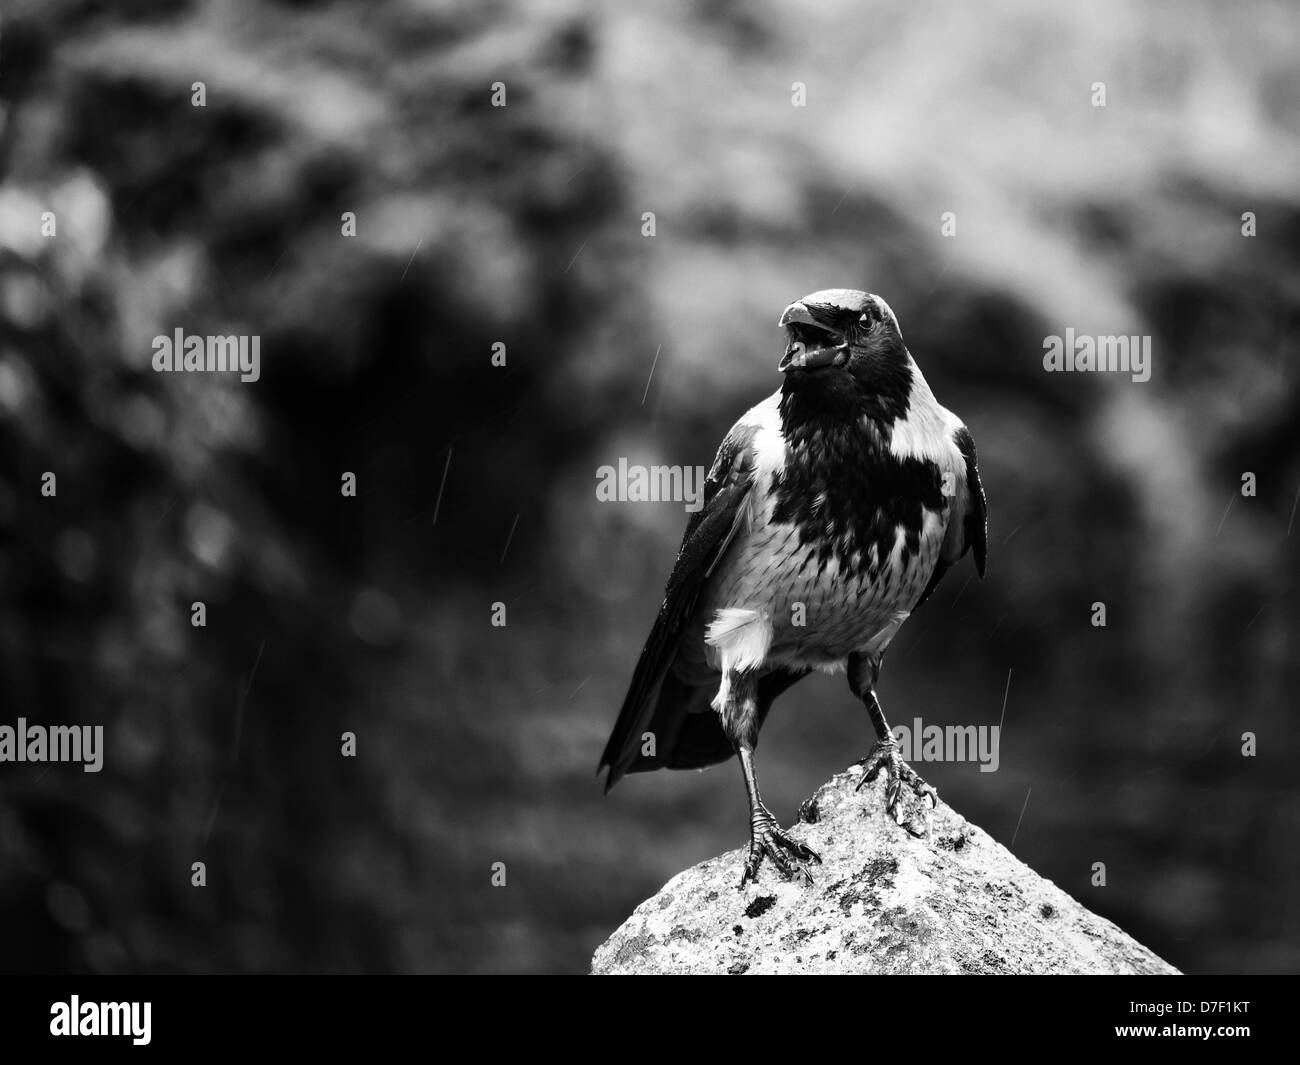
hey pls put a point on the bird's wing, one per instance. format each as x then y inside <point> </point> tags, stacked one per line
<point>968,524</point>
<point>972,534</point>
<point>708,535</point>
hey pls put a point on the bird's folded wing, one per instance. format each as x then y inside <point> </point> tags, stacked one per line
<point>709,533</point>
<point>968,523</point>
<point>973,532</point>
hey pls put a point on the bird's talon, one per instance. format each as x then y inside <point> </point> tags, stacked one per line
<point>787,854</point>
<point>884,755</point>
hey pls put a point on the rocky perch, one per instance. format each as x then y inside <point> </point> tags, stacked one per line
<point>883,901</point>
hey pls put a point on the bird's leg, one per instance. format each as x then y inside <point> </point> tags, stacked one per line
<point>766,837</point>
<point>863,671</point>
<point>740,722</point>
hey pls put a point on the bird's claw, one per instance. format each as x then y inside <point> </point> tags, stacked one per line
<point>787,854</point>
<point>884,755</point>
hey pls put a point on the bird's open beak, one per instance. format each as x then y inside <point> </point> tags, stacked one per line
<point>798,354</point>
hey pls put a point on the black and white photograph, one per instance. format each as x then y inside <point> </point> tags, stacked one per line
<point>576,487</point>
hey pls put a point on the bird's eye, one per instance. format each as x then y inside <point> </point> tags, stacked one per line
<point>864,319</point>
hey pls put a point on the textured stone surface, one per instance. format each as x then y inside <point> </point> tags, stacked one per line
<point>882,901</point>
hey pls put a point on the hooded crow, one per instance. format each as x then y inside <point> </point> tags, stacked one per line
<point>830,513</point>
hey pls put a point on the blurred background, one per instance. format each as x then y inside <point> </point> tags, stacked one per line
<point>523,225</point>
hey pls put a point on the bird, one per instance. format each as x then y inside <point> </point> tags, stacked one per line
<point>831,511</point>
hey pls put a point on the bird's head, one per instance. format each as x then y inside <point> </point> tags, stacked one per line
<point>840,333</point>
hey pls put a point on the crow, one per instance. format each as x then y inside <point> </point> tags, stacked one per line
<point>830,513</point>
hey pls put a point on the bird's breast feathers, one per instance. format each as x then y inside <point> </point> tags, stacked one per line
<point>844,525</point>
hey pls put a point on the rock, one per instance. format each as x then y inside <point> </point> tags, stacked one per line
<point>882,901</point>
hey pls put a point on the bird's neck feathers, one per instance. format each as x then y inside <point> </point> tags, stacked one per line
<point>879,389</point>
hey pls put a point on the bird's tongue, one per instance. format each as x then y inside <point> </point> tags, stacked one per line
<point>798,356</point>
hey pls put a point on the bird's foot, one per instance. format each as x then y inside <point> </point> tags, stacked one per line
<point>788,855</point>
<point>898,774</point>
